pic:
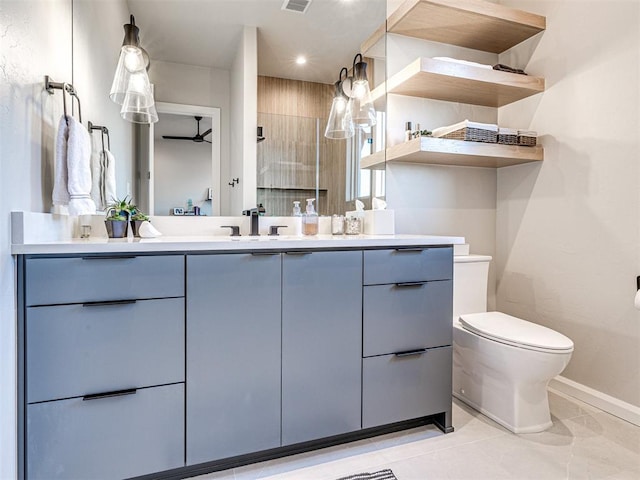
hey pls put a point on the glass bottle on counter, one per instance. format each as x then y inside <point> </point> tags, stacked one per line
<point>296,209</point>
<point>310,219</point>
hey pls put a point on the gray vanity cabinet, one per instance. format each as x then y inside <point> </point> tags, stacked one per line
<point>321,344</point>
<point>407,330</point>
<point>233,355</point>
<point>138,364</point>
<point>103,350</point>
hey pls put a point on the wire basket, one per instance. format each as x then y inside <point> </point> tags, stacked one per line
<point>471,134</point>
<point>469,131</point>
<point>507,136</point>
<point>527,138</point>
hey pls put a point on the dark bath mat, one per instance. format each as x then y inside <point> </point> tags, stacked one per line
<point>381,475</point>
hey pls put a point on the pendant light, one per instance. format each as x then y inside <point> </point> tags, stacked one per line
<point>134,109</point>
<point>340,123</point>
<point>131,87</point>
<point>363,111</point>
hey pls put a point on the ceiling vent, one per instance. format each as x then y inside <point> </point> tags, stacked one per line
<point>298,6</point>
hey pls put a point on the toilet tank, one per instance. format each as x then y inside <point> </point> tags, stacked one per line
<point>470,275</point>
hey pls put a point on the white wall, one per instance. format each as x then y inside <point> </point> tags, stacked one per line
<point>37,41</point>
<point>201,86</point>
<point>568,230</point>
<point>244,124</point>
<point>439,200</point>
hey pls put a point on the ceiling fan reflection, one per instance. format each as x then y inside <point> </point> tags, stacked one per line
<point>198,137</point>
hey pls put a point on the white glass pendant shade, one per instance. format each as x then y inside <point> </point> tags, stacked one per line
<point>340,124</point>
<point>138,99</point>
<point>364,113</point>
<point>131,61</point>
<point>142,115</point>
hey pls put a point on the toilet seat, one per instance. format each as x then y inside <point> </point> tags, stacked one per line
<point>516,332</point>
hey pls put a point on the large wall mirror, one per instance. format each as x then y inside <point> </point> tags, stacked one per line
<point>182,161</point>
<point>195,47</point>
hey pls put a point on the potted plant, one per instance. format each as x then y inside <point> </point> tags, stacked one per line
<point>137,217</point>
<point>118,213</point>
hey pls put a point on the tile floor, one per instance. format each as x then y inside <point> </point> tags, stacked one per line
<point>584,443</point>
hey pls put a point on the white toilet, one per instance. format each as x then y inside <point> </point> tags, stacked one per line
<point>501,364</point>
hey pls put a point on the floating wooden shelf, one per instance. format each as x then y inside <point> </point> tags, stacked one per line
<point>456,82</point>
<point>375,161</point>
<point>475,24</point>
<point>439,151</point>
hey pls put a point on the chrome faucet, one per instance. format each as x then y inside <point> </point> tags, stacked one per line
<point>255,213</point>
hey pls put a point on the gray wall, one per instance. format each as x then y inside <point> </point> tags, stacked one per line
<point>568,230</point>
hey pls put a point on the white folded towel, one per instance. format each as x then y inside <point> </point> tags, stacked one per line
<point>464,62</point>
<point>60,196</point>
<point>79,169</point>
<point>103,178</point>
<point>109,178</point>
<point>96,179</point>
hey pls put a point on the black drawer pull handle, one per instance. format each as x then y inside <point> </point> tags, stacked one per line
<point>298,253</point>
<point>264,254</point>
<point>110,257</point>
<point>410,284</point>
<point>109,303</point>
<point>409,353</point>
<point>410,250</point>
<point>115,393</point>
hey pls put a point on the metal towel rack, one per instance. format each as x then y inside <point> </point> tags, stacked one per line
<point>104,131</point>
<point>50,86</point>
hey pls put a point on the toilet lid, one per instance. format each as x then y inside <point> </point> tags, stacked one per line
<point>517,332</point>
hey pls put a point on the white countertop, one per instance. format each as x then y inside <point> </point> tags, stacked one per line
<point>224,243</point>
<point>41,233</point>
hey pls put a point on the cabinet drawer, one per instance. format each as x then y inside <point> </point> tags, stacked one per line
<point>404,317</point>
<point>397,388</point>
<point>408,265</point>
<point>75,350</point>
<point>112,437</point>
<point>92,279</point>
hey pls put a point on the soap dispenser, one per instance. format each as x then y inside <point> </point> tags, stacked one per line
<point>310,219</point>
<point>296,209</point>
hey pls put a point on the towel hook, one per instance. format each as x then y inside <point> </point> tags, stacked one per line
<point>50,86</point>
<point>103,131</point>
<point>72,91</point>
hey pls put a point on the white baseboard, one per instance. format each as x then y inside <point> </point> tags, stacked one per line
<point>600,400</point>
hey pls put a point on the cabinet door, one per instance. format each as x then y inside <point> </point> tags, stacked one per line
<point>233,355</point>
<point>399,387</point>
<point>75,350</point>
<point>107,437</point>
<point>403,317</point>
<point>321,344</point>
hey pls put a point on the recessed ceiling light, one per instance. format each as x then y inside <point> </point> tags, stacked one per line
<point>301,60</point>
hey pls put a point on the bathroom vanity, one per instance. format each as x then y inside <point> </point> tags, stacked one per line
<point>181,356</point>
